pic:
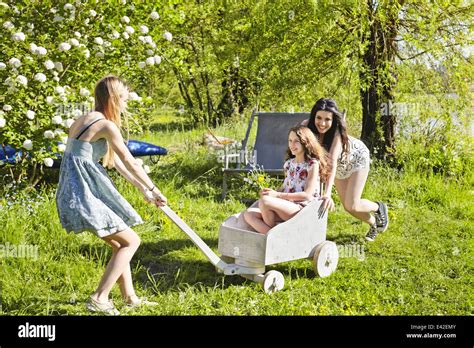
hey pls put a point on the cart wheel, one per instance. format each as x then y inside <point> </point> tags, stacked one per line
<point>273,282</point>
<point>325,258</point>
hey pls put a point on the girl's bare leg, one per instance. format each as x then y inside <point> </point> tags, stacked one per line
<point>119,263</point>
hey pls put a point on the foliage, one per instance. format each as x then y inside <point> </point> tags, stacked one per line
<point>420,266</point>
<point>52,55</point>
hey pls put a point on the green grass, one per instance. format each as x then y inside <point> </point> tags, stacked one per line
<point>422,265</point>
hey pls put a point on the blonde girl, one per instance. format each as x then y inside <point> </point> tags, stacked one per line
<point>87,199</point>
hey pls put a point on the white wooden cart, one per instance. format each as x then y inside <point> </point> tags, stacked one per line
<point>246,252</point>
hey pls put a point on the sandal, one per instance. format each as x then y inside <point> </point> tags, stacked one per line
<point>140,301</point>
<point>102,307</point>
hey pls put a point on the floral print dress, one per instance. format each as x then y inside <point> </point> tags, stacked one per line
<point>296,175</point>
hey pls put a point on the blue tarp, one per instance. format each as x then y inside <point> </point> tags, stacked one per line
<point>137,148</point>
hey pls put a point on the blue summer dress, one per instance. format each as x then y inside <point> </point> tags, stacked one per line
<point>86,198</point>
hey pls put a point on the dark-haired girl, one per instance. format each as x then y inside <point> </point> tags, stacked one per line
<point>350,160</point>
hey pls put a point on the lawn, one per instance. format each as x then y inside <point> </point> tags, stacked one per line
<point>422,265</point>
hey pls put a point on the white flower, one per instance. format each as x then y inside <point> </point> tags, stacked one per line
<point>22,80</point>
<point>141,65</point>
<point>8,25</point>
<point>48,65</point>
<point>57,120</point>
<point>64,139</point>
<point>99,41</point>
<point>18,36</point>
<point>58,19</point>
<point>59,66</point>
<point>154,15</point>
<point>48,162</point>
<point>30,115</point>
<point>59,90</point>
<point>41,51</point>
<point>69,7</point>
<point>2,122</point>
<point>9,82</point>
<point>129,29</point>
<point>150,61</point>
<point>139,161</point>
<point>40,77</point>
<point>86,21</point>
<point>148,39</point>
<point>68,122</point>
<point>168,36</point>
<point>141,38</point>
<point>84,92</point>
<point>64,46</point>
<point>7,107</point>
<point>115,34</point>
<point>76,114</point>
<point>153,45</point>
<point>74,42</point>
<point>157,59</point>
<point>125,19</point>
<point>49,100</point>
<point>134,96</point>
<point>146,169</point>
<point>87,54</point>
<point>15,62</point>
<point>143,29</point>
<point>92,13</point>
<point>33,48</point>
<point>2,65</point>
<point>59,132</point>
<point>99,54</point>
<point>125,35</point>
<point>61,147</point>
<point>28,144</point>
<point>107,44</point>
<point>150,52</point>
<point>77,34</point>
<point>49,134</point>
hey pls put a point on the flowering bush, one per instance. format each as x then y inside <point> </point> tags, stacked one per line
<point>54,52</point>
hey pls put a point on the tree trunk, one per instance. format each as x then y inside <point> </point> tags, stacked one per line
<point>377,84</point>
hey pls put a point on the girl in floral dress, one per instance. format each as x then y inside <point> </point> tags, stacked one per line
<point>304,169</point>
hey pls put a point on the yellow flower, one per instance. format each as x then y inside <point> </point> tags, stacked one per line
<point>261,178</point>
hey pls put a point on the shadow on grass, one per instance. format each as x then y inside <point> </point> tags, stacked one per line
<point>166,265</point>
<point>172,127</point>
<point>167,272</point>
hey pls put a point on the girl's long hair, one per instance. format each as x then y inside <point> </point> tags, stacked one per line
<point>338,123</point>
<point>108,93</point>
<point>312,149</point>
